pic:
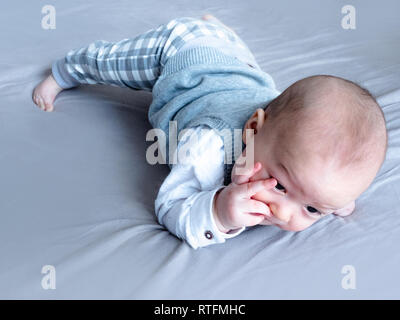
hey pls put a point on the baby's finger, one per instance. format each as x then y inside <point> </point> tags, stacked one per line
<point>244,175</point>
<point>252,219</point>
<point>347,210</point>
<point>258,207</point>
<point>247,190</point>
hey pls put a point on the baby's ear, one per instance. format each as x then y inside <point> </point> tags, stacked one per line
<point>346,211</point>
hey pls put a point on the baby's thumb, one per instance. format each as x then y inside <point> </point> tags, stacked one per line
<point>254,219</point>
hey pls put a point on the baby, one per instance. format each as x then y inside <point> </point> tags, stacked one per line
<point>323,141</point>
<point>313,149</point>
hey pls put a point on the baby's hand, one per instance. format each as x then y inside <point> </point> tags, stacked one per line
<point>234,207</point>
<point>45,93</point>
<point>347,210</point>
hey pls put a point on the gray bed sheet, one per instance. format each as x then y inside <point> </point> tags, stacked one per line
<point>77,192</point>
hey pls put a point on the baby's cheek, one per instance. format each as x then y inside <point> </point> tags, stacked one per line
<point>301,223</point>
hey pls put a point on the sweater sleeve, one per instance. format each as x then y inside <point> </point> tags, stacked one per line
<point>135,62</point>
<point>185,199</point>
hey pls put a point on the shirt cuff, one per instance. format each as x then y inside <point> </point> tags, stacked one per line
<point>204,229</point>
<point>231,233</point>
<point>61,75</point>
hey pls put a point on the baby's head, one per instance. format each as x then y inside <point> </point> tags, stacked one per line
<point>323,139</point>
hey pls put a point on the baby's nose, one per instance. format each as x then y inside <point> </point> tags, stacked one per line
<point>281,213</point>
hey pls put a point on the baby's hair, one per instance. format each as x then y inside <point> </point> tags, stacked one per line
<point>358,130</point>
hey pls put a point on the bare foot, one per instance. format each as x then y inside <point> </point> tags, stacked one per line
<point>45,93</point>
<point>210,17</point>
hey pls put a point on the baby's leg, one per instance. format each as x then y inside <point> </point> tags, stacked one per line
<point>134,63</point>
<point>45,93</point>
<point>140,60</point>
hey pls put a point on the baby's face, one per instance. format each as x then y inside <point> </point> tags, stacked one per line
<point>308,188</point>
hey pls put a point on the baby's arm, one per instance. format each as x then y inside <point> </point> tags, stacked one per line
<point>185,200</point>
<point>193,203</point>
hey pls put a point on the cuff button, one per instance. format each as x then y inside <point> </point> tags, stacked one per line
<point>208,234</point>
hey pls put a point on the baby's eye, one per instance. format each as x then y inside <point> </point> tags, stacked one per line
<point>280,187</point>
<point>313,211</point>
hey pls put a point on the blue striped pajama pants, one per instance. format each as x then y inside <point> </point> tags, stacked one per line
<point>137,62</point>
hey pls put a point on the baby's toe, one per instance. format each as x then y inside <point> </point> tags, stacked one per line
<point>48,106</point>
<point>207,17</point>
<point>35,98</point>
<point>41,103</point>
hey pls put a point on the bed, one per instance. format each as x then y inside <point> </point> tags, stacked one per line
<point>78,195</point>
